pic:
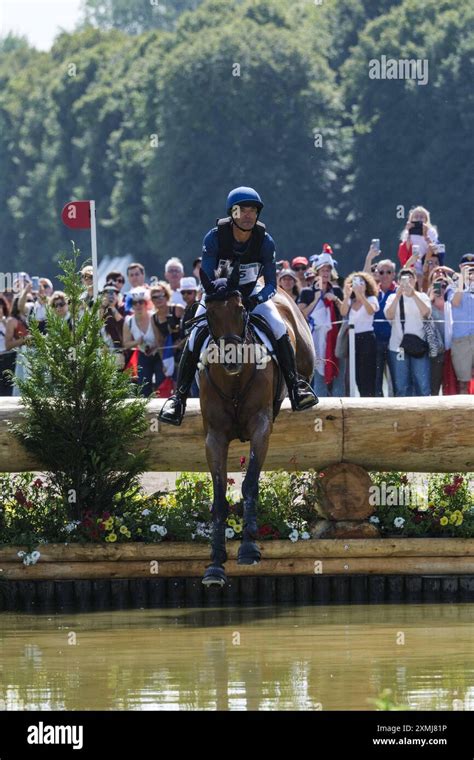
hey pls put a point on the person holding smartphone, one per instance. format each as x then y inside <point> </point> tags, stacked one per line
<point>113,314</point>
<point>441,312</point>
<point>419,232</point>
<point>360,305</point>
<point>408,371</point>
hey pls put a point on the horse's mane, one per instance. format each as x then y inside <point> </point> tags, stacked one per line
<point>224,271</point>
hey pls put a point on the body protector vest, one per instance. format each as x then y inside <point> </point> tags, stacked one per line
<point>250,260</point>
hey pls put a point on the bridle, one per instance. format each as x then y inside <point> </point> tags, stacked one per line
<point>237,340</point>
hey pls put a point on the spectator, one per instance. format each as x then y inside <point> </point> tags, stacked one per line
<point>441,311</point>
<point>167,317</point>
<point>174,270</point>
<point>309,277</point>
<point>117,279</point>
<point>288,281</point>
<point>407,370</point>
<point>189,290</point>
<point>58,302</point>
<point>87,277</point>
<point>113,315</point>
<point>382,327</point>
<point>40,301</point>
<point>360,305</point>
<point>299,265</point>
<point>419,232</point>
<point>432,261</point>
<point>282,264</point>
<point>461,298</point>
<point>319,305</point>
<point>17,332</point>
<point>136,279</point>
<point>138,333</point>
<point>7,357</point>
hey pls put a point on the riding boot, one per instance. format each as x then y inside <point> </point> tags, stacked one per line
<point>173,409</point>
<point>300,392</point>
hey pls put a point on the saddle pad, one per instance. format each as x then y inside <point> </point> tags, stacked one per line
<point>263,338</point>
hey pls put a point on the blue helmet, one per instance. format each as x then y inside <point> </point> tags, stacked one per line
<point>245,195</point>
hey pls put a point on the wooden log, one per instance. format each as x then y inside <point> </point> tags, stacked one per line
<point>191,568</point>
<point>345,493</point>
<point>138,593</point>
<point>340,589</point>
<point>359,589</point>
<point>83,594</point>
<point>449,589</point>
<point>429,434</point>
<point>119,594</point>
<point>285,590</point>
<point>431,589</point>
<point>321,589</point>
<point>249,589</point>
<point>9,590</point>
<point>45,596</point>
<point>315,549</point>
<point>345,529</point>
<point>395,588</point>
<point>175,592</point>
<point>413,589</point>
<point>156,592</point>
<point>231,591</point>
<point>193,592</point>
<point>376,589</point>
<point>466,589</point>
<point>303,589</point>
<point>27,595</point>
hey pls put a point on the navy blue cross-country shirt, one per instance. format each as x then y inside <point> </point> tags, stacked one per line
<point>261,264</point>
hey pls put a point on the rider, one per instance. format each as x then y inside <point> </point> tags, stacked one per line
<point>241,238</point>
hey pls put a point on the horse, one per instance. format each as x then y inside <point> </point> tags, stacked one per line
<point>238,401</point>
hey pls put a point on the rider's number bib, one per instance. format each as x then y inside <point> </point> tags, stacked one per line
<point>248,272</point>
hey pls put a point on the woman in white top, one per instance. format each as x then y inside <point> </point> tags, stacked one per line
<point>411,375</point>
<point>138,333</point>
<point>360,304</point>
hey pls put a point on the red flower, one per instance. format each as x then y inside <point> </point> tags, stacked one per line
<point>230,481</point>
<point>105,515</point>
<point>29,505</point>
<point>37,483</point>
<point>242,462</point>
<point>322,474</point>
<point>20,497</point>
<point>418,518</point>
<point>404,480</point>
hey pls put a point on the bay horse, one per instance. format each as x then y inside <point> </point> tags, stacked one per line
<point>237,402</point>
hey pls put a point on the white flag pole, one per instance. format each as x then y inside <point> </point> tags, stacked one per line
<point>352,364</point>
<point>95,268</point>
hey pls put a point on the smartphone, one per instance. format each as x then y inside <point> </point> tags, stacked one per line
<point>416,229</point>
<point>35,283</point>
<point>440,248</point>
<point>416,250</point>
<point>437,288</point>
<point>375,243</point>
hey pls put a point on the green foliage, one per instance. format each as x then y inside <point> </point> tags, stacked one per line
<point>79,419</point>
<point>136,16</point>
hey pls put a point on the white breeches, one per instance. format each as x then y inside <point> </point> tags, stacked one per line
<point>267,310</point>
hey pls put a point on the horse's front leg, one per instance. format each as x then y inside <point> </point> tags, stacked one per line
<point>249,552</point>
<point>217,447</point>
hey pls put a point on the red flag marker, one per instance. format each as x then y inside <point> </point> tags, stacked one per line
<point>80,215</point>
<point>77,215</point>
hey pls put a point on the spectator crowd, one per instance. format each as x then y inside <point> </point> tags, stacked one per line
<point>413,328</point>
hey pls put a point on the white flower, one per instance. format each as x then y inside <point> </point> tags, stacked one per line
<point>374,519</point>
<point>399,522</point>
<point>293,535</point>
<point>21,554</point>
<point>27,560</point>
<point>305,535</point>
<point>162,530</point>
<point>154,528</point>
<point>70,527</point>
<point>35,556</point>
<point>146,512</point>
<point>229,533</point>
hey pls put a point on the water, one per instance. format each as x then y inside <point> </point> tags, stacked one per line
<point>270,658</point>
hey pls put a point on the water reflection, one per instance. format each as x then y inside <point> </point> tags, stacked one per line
<point>265,658</point>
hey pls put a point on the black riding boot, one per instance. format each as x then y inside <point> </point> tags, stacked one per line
<point>300,392</point>
<point>173,409</point>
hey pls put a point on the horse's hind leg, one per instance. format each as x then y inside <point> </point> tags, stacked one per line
<point>217,447</point>
<point>249,552</point>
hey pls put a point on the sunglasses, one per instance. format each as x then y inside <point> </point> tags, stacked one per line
<point>158,297</point>
<point>301,268</point>
<point>174,271</point>
<point>188,292</point>
<point>385,271</point>
<point>140,302</point>
<point>119,279</point>
<point>58,304</point>
<point>87,277</point>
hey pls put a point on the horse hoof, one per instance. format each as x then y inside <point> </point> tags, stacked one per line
<point>214,576</point>
<point>248,554</point>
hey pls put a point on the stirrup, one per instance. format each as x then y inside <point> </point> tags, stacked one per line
<point>173,415</point>
<point>302,396</point>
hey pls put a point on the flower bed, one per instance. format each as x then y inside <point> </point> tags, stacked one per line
<point>33,513</point>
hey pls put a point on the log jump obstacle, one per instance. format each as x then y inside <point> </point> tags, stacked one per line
<point>344,436</point>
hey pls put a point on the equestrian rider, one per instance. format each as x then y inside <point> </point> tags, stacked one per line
<point>241,238</point>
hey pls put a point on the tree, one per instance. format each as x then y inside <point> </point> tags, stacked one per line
<point>135,16</point>
<point>79,419</point>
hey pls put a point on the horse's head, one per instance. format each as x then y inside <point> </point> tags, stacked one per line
<point>226,317</point>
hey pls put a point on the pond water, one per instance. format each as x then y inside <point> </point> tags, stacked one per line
<point>245,658</point>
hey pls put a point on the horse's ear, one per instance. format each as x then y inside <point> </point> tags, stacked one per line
<point>206,282</point>
<point>234,279</point>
